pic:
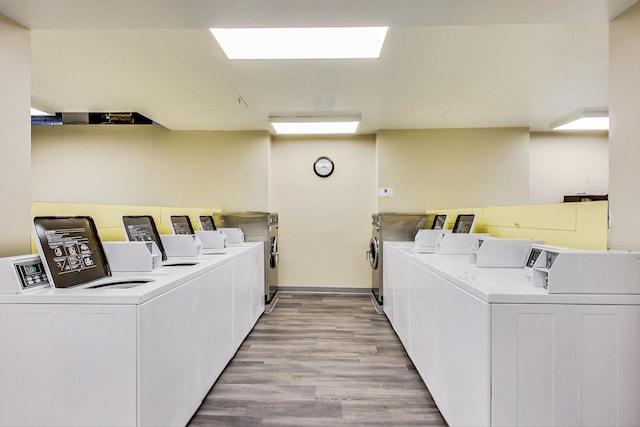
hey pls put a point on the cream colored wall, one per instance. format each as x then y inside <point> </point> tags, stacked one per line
<point>15,137</point>
<point>448,168</point>
<point>150,165</point>
<point>567,163</point>
<point>325,224</point>
<point>624,134</point>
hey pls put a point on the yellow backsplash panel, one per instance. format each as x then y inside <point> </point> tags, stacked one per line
<point>580,225</point>
<point>108,217</point>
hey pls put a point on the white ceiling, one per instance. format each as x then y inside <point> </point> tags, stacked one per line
<point>445,63</point>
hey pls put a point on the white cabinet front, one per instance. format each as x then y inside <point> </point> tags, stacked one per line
<point>402,300</point>
<point>565,365</point>
<point>185,342</point>
<point>57,365</point>
<point>389,280</point>
<point>528,359</point>
<point>450,346</point>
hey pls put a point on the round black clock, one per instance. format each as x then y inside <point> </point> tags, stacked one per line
<point>323,166</point>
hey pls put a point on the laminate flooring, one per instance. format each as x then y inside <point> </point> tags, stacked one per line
<point>320,360</point>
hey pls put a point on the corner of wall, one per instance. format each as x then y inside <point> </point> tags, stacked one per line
<point>15,137</point>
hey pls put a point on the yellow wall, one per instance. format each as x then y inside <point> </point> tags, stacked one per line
<point>15,135</point>
<point>107,217</point>
<point>325,223</point>
<point>453,167</point>
<point>150,165</point>
<point>576,225</point>
<point>624,136</point>
<point>310,255</point>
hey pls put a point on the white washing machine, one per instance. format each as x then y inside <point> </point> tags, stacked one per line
<point>125,349</point>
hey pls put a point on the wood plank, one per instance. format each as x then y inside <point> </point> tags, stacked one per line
<point>320,360</point>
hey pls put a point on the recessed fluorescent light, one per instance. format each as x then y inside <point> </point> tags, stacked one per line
<point>314,127</point>
<point>36,112</point>
<point>584,121</point>
<point>301,43</point>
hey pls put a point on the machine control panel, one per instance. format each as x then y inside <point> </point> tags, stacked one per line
<point>575,271</point>
<point>22,273</point>
<point>31,274</point>
<point>501,252</point>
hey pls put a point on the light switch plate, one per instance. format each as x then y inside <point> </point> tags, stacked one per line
<point>385,192</point>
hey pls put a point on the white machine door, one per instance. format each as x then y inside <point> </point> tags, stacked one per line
<point>273,254</point>
<point>373,252</point>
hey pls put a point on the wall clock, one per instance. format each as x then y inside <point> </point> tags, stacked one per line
<point>323,166</point>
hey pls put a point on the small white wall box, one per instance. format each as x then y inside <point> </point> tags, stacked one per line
<point>132,256</point>
<point>22,273</point>
<point>234,235</point>
<point>497,252</point>
<point>428,238</point>
<point>457,243</point>
<point>212,239</point>
<point>181,245</point>
<point>566,271</point>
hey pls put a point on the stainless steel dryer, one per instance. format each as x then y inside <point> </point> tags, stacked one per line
<point>259,227</point>
<point>393,227</point>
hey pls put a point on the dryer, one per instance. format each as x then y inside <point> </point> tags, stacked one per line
<point>389,226</point>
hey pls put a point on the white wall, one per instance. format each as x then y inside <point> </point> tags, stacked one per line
<point>325,223</point>
<point>15,137</point>
<point>150,165</point>
<point>624,135</point>
<point>449,168</point>
<point>567,163</point>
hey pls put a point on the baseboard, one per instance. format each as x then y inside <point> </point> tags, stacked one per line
<point>268,308</point>
<point>377,307</point>
<point>323,290</point>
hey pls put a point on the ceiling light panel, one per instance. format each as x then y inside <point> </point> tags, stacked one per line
<point>314,127</point>
<point>301,43</point>
<point>584,121</point>
<point>38,112</point>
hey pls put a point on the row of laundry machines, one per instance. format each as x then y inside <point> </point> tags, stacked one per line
<point>122,332</point>
<point>402,227</point>
<point>255,226</point>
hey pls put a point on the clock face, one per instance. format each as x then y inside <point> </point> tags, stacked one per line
<point>323,167</point>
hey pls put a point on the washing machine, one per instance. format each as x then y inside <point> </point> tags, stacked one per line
<point>393,227</point>
<point>259,227</point>
<point>71,322</point>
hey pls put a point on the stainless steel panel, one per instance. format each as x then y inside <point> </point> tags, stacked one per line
<point>258,227</point>
<point>392,227</point>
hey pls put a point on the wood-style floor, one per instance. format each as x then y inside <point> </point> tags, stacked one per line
<point>320,360</point>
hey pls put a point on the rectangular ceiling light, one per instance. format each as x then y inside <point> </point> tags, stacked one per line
<point>584,121</point>
<point>36,112</point>
<point>301,43</point>
<point>314,127</point>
